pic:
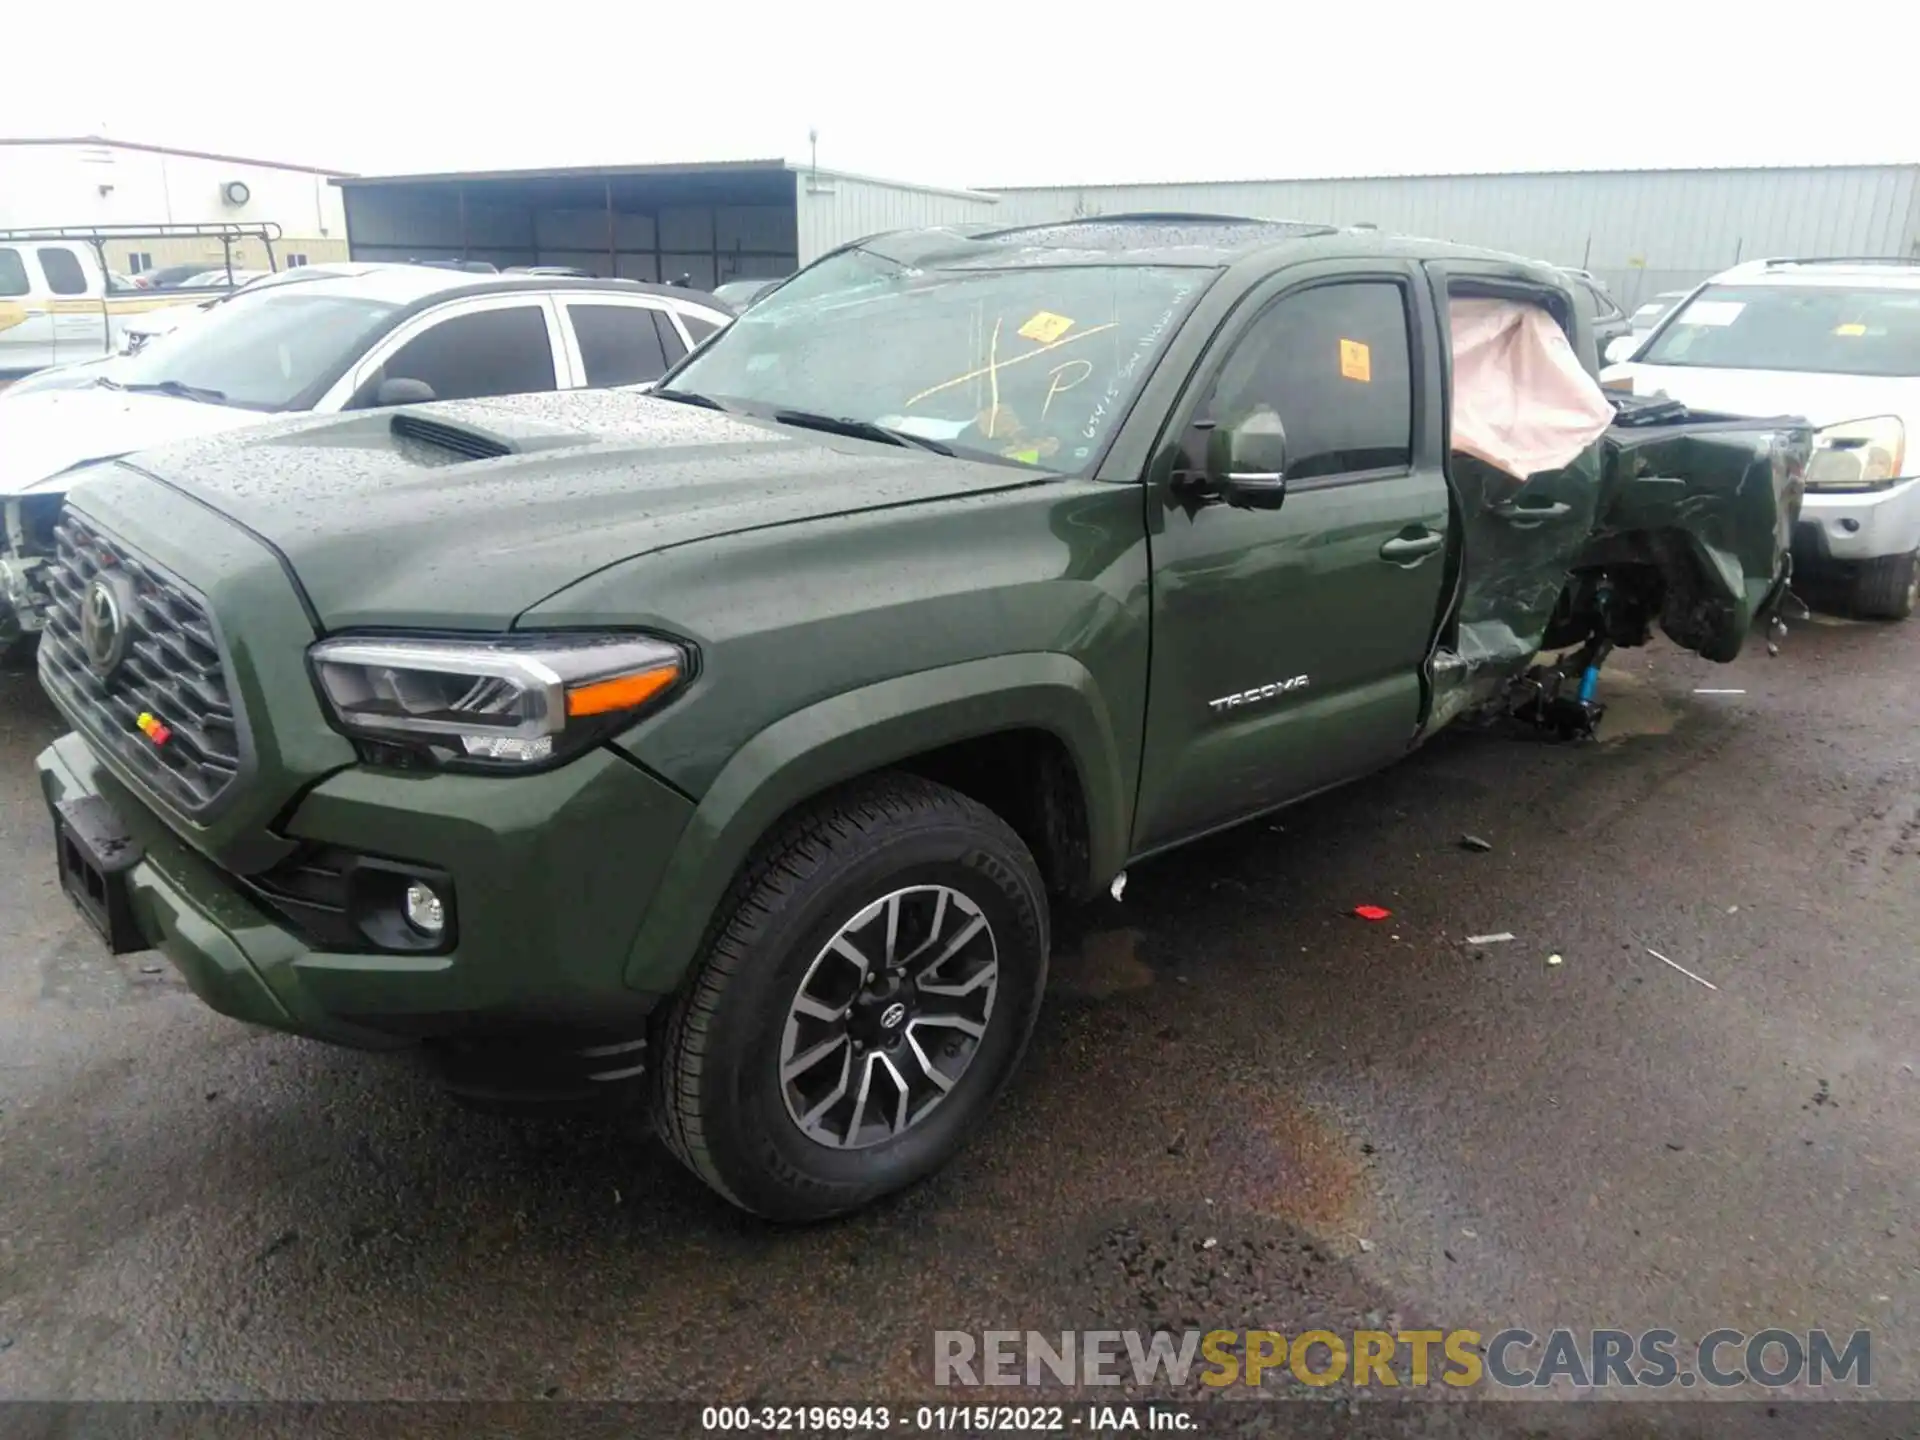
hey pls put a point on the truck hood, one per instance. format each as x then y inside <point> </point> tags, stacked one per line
<point>1824,399</point>
<point>388,519</point>
<point>45,434</point>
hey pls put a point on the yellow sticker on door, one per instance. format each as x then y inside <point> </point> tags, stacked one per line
<point>1356,361</point>
<point>1046,327</point>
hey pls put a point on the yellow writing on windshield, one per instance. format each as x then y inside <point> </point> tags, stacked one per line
<point>1058,381</point>
<point>999,365</point>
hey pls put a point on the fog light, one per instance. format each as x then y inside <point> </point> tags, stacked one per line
<point>425,913</point>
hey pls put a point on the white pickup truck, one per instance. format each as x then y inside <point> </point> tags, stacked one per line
<point>59,303</point>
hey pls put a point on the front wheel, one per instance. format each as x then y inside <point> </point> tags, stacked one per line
<point>1888,588</point>
<point>867,990</point>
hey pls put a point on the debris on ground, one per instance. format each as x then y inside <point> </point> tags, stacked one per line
<point>1719,692</point>
<point>1366,1247</point>
<point>1554,960</point>
<point>1474,842</point>
<point>1372,912</point>
<point>1500,939</point>
<point>1208,1243</point>
<point>1681,968</point>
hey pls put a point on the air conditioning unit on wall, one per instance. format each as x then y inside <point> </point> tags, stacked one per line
<point>236,193</point>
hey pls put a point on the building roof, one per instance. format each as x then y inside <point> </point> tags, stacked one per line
<point>170,150</point>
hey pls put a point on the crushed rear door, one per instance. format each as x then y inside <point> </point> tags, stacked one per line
<point>1711,499</point>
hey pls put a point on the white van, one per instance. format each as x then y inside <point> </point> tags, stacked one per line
<point>59,304</point>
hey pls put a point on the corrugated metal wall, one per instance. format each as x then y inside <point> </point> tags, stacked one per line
<point>1642,231</point>
<point>707,243</point>
<point>833,209</point>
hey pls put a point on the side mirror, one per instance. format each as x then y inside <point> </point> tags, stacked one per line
<point>1247,463</point>
<point>402,390</point>
<point>1621,348</point>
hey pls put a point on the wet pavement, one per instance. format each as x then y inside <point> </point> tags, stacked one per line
<point>1243,1107</point>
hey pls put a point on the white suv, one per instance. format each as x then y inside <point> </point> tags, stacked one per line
<point>1837,341</point>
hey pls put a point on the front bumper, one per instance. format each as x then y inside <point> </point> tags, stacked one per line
<point>552,873</point>
<point>1838,529</point>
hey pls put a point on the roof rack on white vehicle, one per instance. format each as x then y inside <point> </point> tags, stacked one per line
<point>1905,261</point>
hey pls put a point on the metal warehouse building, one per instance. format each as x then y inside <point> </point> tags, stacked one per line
<point>1642,231</point>
<point>714,222</point>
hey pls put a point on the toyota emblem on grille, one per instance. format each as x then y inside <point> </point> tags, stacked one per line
<point>103,622</point>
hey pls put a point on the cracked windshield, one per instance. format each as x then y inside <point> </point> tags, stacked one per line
<point>1034,365</point>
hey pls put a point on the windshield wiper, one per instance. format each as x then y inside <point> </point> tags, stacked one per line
<point>177,388</point>
<point>688,397</point>
<point>859,429</point>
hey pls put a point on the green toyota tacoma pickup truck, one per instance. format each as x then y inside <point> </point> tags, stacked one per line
<point>731,739</point>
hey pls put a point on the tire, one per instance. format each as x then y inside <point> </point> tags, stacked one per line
<point>1888,588</point>
<point>724,1101</point>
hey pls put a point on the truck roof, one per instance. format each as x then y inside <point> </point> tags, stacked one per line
<point>1155,238</point>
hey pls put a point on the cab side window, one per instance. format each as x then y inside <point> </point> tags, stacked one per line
<point>505,351</point>
<point>13,273</point>
<point>1334,363</point>
<point>63,272</point>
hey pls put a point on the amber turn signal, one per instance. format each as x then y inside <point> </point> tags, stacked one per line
<point>623,692</point>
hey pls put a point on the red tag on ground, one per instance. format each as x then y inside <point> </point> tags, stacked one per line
<point>1371,912</point>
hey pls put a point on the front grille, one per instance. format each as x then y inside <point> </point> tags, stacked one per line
<point>172,670</point>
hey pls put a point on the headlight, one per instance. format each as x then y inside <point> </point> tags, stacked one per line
<point>1858,455</point>
<point>502,705</point>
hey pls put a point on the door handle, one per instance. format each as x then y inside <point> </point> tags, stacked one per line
<point>1403,548</point>
<point>1516,513</point>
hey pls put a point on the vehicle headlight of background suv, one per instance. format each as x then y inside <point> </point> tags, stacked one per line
<point>507,705</point>
<point>1858,455</point>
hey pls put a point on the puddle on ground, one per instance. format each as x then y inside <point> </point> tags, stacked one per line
<point>1633,708</point>
<point>1105,963</point>
<point>1287,1163</point>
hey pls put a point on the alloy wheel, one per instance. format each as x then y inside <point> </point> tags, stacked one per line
<point>888,1017</point>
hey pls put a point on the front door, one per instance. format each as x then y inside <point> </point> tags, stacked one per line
<point>1288,643</point>
<point>79,301</point>
<point>1519,537</point>
<point>26,313</point>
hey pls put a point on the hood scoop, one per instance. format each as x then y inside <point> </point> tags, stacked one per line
<point>465,441</point>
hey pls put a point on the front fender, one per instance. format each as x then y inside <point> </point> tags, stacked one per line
<point>860,731</point>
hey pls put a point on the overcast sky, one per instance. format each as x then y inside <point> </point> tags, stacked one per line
<point>983,93</point>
